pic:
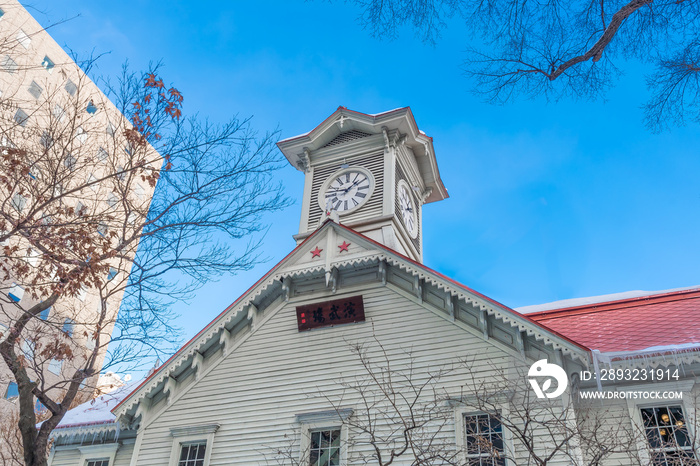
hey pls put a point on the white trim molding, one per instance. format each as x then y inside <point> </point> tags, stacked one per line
<point>192,434</point>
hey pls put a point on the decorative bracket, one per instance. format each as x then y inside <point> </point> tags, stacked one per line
<point>418,287</point>
<point>286,288</point>
<point>382,271</point>
<point>170,385</point>
<point>304,161</point>
<point>332,279</point>
<point>197,363</point>
<point>484,323</point>
<point>225,340</point>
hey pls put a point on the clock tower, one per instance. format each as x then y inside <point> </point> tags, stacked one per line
<point>372,173</point>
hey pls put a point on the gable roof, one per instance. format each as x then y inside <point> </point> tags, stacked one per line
<point>298,264</point>
<point>296,149</point>
<point>650,322</point>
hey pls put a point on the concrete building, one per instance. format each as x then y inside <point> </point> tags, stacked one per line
<point>351,351</point>
<point>70,138</point>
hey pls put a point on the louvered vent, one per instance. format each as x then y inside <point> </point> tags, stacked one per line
<point>342,138</point>
<point>371,209</point>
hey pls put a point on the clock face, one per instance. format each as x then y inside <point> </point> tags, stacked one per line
<point>407,209</point>
<point>346,190</point>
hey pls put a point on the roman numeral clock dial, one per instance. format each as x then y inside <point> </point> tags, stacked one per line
<point>407,209</point>
<point>346,190</point>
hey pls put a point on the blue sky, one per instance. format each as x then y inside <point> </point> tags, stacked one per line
<point>548,201</point>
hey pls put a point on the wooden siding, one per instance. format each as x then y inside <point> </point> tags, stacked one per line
<point>255,392</point>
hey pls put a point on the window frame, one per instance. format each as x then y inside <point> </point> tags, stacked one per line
<point>461,434</point>
<point>322,420</point>
<point>192,434</point>
<point>106,451</point>
<point>635,406</point>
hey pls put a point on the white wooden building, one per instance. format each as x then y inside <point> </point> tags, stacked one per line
<point>350,345</point>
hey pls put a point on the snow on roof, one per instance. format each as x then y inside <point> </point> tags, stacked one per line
<point>97,410</point>
<point>605,298</point>
<point>664,321</point>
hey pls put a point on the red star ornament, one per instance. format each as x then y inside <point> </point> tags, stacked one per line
<point>344,246</point>
<point>316,252</point>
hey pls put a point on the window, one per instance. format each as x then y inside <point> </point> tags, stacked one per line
<point>18,202</point>
<point>112,273</point>
<point>68,327</point>
<point>91,108</point>
<point>101,462</point>
<point>28,349</point>
<point>45,313</point>
<point>16,293</point>
<point>70,87</point>
<point>192,445</point>
<point>324,447</point>
<point>9,65</point>
<point>667,433</point>
<point>55,366</point>
<point>69,162</point>
<point>484,440</point>
<point>12,391</point>
<point>46,140</point>
<point>81,134</point>
<point>35,90</point>
<point>121,174</point>
<point>58,112</point>
<point>39,406</point>
<point>23,39</point>
<point>80,209</point>
<point>102,154</point>
<point>112,199</point>
<point>192,454</point>
<point>21,117</point>
<point>48,64</point>
<point>102,229</point>
<point>110,129</point>
<point>323,437</point>
<point>2,13</point>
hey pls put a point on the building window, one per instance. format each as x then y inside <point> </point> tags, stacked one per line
<point>484,440</point>
<point>68,327</point>
<point>324,447</point>
<point>48,64</point>
<point>81,134</point>
<point>101,462</point>
<point>69,162</point>
<point>16,293</point>
<point>110,129</point>
<point>192,454</point>
<point>55,366</point>
<point>23,39</point>
<point>192,445</point>
<point>35,90</point>
<point>102,154</point>
<point>21,117</point>
<point>667,433</point>
<point>58,112</point>
<point>102,229</point>
<point>2,12</point>
<point>112,273</point>
<point>12,391</point>
<point>70,87</point>
<point>112,199</point>
<point>18,202</point>
<point>43,315</point>
<point>91,108</point>
<point>46,140</point>
<point>9,65</point>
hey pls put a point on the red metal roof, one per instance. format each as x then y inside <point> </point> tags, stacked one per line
<point>630,324</point>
